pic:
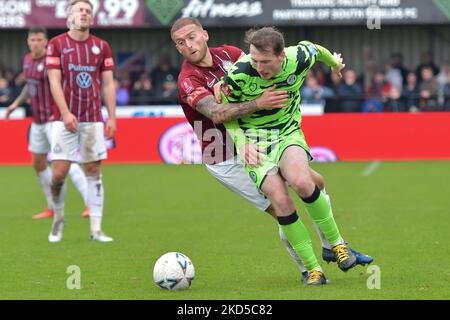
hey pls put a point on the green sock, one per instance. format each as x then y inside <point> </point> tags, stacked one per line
<point>298,237</point>
<point>320,211</point>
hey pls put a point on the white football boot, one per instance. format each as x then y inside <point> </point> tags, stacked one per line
<point>56,232</point>
<point>100,237</point>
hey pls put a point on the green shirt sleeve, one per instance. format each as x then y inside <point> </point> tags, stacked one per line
<point>320,53</point>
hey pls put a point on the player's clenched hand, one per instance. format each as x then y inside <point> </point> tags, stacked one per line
<point>70,122</point>
<point>110,129</point>
<point>341,65</point>
<point>217,95</point>
<point>252,155</point>
<point>272,99</point>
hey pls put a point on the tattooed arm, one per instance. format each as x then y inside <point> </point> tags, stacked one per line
<point>220,113</point>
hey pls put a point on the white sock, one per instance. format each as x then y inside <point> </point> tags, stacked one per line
<point>79,180</point>
<point>45,180</point>
<point>95,199</point>
<point>59,201</point>
<point>291,250</point>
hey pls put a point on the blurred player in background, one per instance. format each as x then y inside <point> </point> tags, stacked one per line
<point>280,139</point>
<point>201,70</point>
<point>79,66</point>
<point>42,104</point>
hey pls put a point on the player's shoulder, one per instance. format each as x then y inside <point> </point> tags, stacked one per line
<point>188,70</point>
<point>27,58</point>
<point>243,68</point>
<point>96,39</point>
<point>226,49</point>
<point>59,37</point>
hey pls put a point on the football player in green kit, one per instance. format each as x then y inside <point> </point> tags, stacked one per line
<point>277,135</point>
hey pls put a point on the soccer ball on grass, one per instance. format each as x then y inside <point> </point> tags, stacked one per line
<point>173,271</point>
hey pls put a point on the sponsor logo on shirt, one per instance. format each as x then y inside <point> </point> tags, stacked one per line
<point>210,83</point>
<point>67,50</point>
<point>73,67</point>
<point>84,80</point>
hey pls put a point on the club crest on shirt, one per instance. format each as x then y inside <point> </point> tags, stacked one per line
<point>40,67</point>
<point>291,79</point>
<point>227,64</point>
<point>95,49</point>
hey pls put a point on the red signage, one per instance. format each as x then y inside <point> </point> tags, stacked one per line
<point>344,137</point>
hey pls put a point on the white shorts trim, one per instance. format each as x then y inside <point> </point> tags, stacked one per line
<point>39,139</point>
<point>231,174</point>
<point>89,140</point>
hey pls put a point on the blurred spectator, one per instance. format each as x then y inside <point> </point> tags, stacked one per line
<point>122,94</point>
<point>379,88</point>
<point>428,91</point>
<point>5,93</point>
<point>427,61</point>
<point>333,103</point>
<point>314,93</point>
<point>142,92</point>
<point>393,75</point>
<point>397,63</point>
<point>350,93</point>
<point>161,71</point>
<point>394,103</point>
<point>446,93</point>
<point>169,95</point>
<point>410,93</point>
<point>367,75</point>
<point>441,78</point>
<point>372,105</point>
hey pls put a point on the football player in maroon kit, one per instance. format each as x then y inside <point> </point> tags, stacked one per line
<point>79,66</point>
<point>38,91</point>
<point>202,69</point>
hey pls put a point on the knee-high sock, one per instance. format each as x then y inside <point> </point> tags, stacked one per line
<point>320,211</point>
<point>45,180</point>
<point>298,237</point>
<point>291,251</point>
<point>95,200</point>
<point>79,180</point>
<point>59,198</point>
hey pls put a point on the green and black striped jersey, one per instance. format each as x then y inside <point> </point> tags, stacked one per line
<point>243,83</point>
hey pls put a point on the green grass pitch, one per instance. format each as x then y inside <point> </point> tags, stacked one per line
<point>399,214</point>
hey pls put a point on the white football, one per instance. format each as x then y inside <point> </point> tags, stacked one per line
<point>173,271</point>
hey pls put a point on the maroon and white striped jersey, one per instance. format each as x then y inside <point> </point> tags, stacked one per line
<point>195,83</point>
<point>81,64</point>
<point>42,104</point>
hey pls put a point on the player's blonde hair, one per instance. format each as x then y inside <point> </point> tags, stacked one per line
<point>182,22</point>
<point>70,6</point>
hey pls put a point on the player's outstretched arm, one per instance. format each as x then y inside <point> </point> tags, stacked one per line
<point>220,113</point>
<point>334,60</point>
<point>109,91</point>
<point>54,77</point>
<point>19,100</point>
